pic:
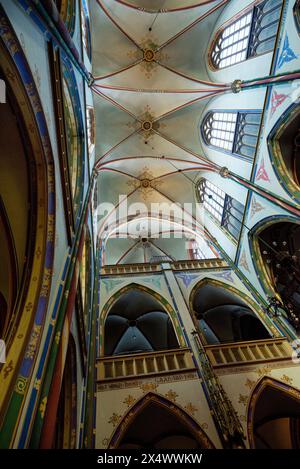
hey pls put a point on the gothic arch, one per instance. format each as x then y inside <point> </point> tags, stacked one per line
<point>284,147</point>
<point>244,299</point>
<point>291,401</point>
<point>28,316</point>
<point>260,269</point>
<point>75,135</point>
<point>179,413</point>
<point>135,286</point>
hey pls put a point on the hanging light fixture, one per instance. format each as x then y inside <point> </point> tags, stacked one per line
<point>285,267</point>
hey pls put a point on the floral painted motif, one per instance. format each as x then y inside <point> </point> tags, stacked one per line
<point>190,408</point>
<point>187,278</point>
<point>243,398</point>
<point>276,100</point>
<point>262,173</point>
<point>129,400</point>
<point>243,262</point>
<point>114,419</point>
<point>255,207</point>
<point>171,395</point>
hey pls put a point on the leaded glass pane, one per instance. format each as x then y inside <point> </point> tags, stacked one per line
<point>236,132</point>
<point>252,34</point>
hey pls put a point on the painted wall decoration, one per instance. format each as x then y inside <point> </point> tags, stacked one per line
<point>15,375</point>
<point>261,173</point>
<point>287,54</point>
<point>276,100</point>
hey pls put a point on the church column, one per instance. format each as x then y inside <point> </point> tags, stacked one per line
<point>223,413</point>
<point>44,424</point>
<point>48,13</point>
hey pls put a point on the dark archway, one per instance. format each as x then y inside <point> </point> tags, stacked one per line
<point>279,246</point>
<point>274,416</point>
<point>222,316</point>
<point>284,146</point>
<point>17,207</point>
<point>155,422</point>
<point>137,322</point>
<point>289,142</point>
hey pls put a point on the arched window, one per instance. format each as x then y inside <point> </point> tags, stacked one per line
<point>235,132</point>
<point>74,130</point>
<point>224,208</point>
<point>251,34</point>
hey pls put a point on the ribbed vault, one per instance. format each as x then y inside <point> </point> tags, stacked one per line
<point>150,88</point>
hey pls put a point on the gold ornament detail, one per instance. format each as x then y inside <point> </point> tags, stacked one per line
<point>243,399</point>
<point>33,342</point>
<point>129,400</point>
<point>286,379</point>
<point>43,406</point>
<point>250,383</point>
<point>21,385</point>
<point>105,442</point>
<point>190,408</point>
<point>171,395</point>
<point>146,387</point>
<point>151,56</point>
<point>115,419</point>
<point>145,183</point>
<point>263,371</point>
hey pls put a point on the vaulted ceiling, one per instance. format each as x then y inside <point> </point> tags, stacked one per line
<point>150,90</point>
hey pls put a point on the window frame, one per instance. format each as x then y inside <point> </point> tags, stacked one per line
<point>226,213</point>
<point>230,22</point>
<point>238,112</point>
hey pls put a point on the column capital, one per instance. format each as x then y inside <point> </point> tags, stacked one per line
<point>236,86</point>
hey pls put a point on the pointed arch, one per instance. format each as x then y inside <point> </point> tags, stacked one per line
<point>136,286</point>
<point>245,300</point>
<point>284,390</point>
<point>29,314</point>
<point>177,411</point>
<point>218,283</point>
<point>284,148</point>
<point>253,237</point>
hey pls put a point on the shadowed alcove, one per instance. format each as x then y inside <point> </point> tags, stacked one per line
<point>274,416</point>
<point>155,422</point>
<point>137,322</point>
<point>223,316</point>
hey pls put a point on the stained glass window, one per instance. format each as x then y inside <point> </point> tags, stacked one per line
<point>251,34</point>
<point>224,208</point>
<point>236,132</point>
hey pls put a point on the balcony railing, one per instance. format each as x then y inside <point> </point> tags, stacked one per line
<point>199,264</point>
<point>148,363</point>
<point>122,269</point>
<point>240,353</point>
